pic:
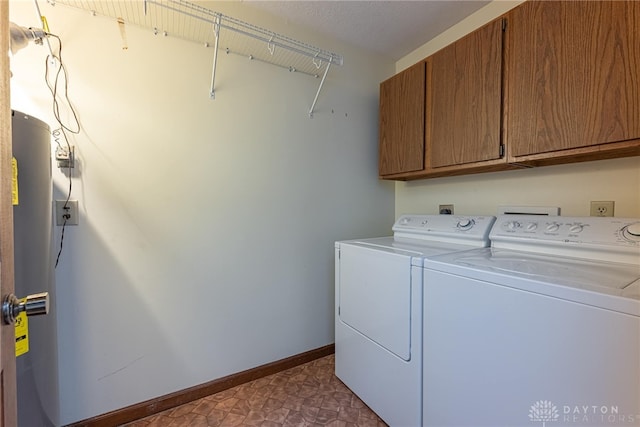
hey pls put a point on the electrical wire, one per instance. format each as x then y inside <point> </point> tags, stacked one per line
<point>61,243</point>
<point>56,134</point>
<point>62,70</point>
<point>61,76</point>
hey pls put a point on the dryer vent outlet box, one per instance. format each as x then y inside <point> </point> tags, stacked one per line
<point>529,210</point>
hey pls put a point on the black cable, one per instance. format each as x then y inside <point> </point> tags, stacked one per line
<point>62,70</point>
<point>65,206</point>
<point>61,242</point>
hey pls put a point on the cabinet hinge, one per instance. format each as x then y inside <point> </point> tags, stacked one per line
<point>501,151</point>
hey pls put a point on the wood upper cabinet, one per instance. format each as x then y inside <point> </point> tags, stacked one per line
<point>572,80</point>
<point>561,84</point>
<point>443,115</point>
<point>401,132</point>
<point>465,107</point>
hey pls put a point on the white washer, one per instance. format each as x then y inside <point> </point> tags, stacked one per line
<point>543,327</point>
<point>378,322</point>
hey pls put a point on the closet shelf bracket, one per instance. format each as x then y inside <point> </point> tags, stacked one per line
<point>196,23</point>
<point>313,104</point>
<point>216,31</point>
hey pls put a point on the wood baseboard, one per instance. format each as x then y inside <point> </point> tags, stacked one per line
<point>162,403</point>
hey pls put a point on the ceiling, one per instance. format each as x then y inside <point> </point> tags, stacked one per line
<point>392,28</point>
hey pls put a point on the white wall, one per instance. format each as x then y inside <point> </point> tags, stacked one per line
<point>205,244</point>
<point>571,187</point>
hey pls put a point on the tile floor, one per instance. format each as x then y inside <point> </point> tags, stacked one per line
<point>307,395</point>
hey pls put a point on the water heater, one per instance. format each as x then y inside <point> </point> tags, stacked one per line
<point>37,369</point>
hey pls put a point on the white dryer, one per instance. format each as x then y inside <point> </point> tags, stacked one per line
<point>378,306</point>
<point>543,327</point>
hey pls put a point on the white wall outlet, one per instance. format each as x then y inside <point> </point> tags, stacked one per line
<point>602,208</point>
<point>66,212</point>
<point>65,157</point>
<point>445,209</point>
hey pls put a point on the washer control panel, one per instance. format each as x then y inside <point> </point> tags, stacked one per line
<point>605,230</point>
<point>576,234</point>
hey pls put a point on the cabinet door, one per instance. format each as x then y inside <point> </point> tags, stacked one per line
<point>465,113</point>
<point>573,75</point>
<point>401,121</point>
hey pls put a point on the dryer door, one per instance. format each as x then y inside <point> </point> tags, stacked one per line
<point>375,295</point>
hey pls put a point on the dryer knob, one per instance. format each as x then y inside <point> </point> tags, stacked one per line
<point>465,224</point>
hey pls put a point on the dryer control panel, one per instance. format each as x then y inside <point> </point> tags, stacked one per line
<point>615,239</point>
<point>464,229</point>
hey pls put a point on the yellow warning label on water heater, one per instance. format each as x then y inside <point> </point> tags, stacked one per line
<point>14,181</point>
<point>22,333</point>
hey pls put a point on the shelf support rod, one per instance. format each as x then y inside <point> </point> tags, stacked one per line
<point>324,76</point>
<point>43,21</point>
<point>216,30</point>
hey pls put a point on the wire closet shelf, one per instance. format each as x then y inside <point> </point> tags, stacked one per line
<point>196,23</point>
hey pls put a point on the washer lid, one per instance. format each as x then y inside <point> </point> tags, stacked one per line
<point>575,279</point>
<point>565,271</point>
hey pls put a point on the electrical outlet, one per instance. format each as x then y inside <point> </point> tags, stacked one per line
<point>67,211</point>
<point>65,157</point>
<point>445,209</point>
<point>602,208</point>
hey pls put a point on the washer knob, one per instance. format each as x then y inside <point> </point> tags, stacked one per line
<point>576,228</point>
<point>532,226</point>
<point>513,225</point>
<point>632,231</point>
<point>553,227</point>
